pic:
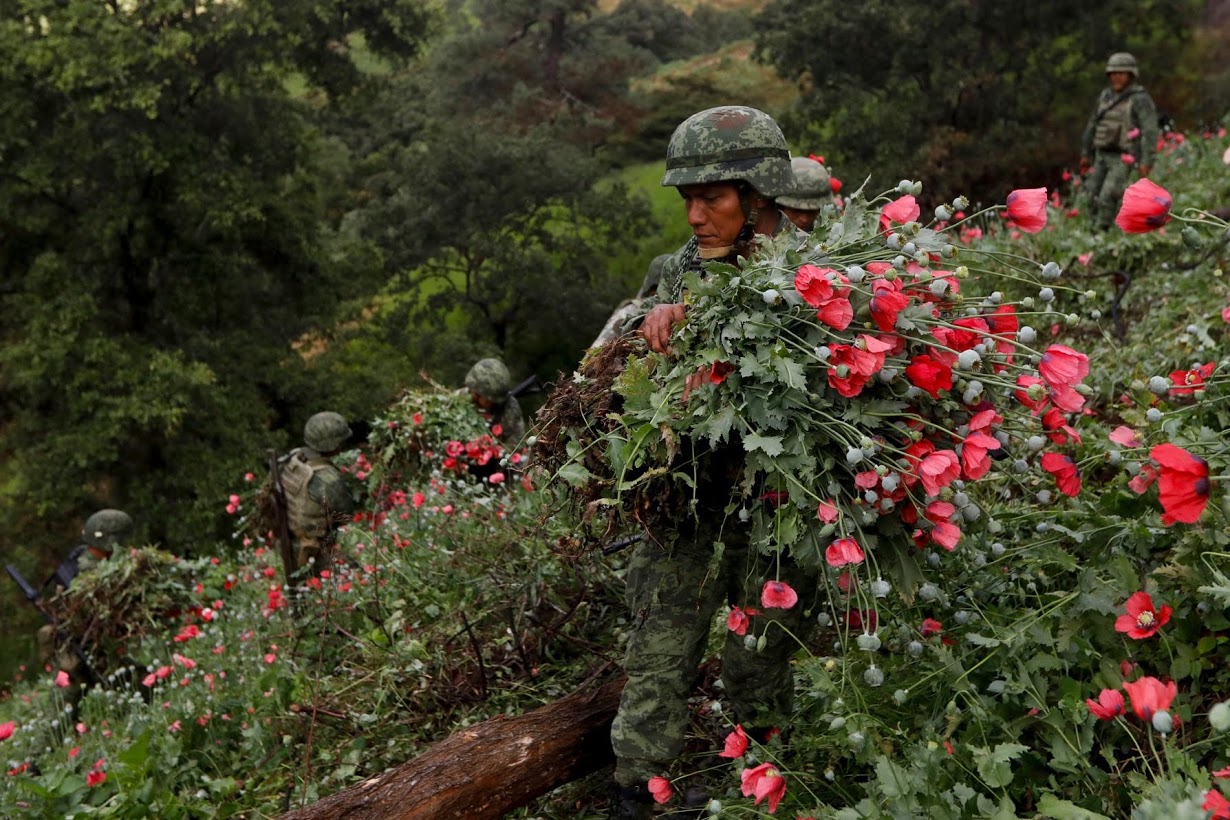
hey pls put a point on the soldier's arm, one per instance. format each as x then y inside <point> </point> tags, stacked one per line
<point>1087,137</point>
<point>1144,112</point>
<point>332,491</point>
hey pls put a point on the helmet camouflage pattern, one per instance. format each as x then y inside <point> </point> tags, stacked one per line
<point>325,431</point>
<point>1122,61</point>
<point>105,529</point>
<point>811,190</point>
<point>728,144</point>
<point>490,379</point>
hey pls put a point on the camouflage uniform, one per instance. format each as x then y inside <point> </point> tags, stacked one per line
<point>490,380</point>
<point>102,533</point>
<point>812,191</point>
<point>674,588</point>
<point>1106,140</point>
<point>632,307</point>
<point>317,497</point>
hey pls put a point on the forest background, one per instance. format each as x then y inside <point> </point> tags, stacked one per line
<point>219,218</point>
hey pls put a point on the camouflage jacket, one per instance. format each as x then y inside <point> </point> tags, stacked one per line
<point>1113,120</point>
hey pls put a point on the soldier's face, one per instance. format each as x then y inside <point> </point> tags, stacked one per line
<point>804,220</point>
<point>1118,80</point>
<point>714,212</point>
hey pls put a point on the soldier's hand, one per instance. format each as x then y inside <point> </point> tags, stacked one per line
<point>1145,170</point>
<point>658,324</point>
<point>1085,165</point>
<point>694,381</point>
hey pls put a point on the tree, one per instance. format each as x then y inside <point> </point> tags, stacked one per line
<point>974,97</point>
<point>163,239</point>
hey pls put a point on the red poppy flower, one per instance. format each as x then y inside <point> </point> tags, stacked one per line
<point>836,312</point>
<point>850,367</point>
<point>765,782</point>
<point>813,285</point>
<point>1108,706</point>
<point>778,595</point>
<point>974,460</point>
<point>718,372</point>
<point>1183,483</point>
<point>736,744</point>
<point>835,185</point>
<point>887,300</point>
<point>1061,366</point>
<point>661,789</point>
<point>95,778</point>
<point>737,621</point>
<point>1027,209</point>
<point>1217,805</point>
<point>1150,695</point>
<point>1055,423</point>
<point>946,534</point>
<point>1146,207</point>
<point>844,551</point>
<point>1187,382</point>
<point>1140,619</point>
<point>6,730</point>
<point>1067,478</point>
<point>902,210</point>
<point>930,626</point>
<point>937,470</point>
<point>1144,479</point>
<point>929,375</point>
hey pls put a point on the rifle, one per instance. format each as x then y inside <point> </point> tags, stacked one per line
<point>283,521</point>
<point>530,385</point>
<point>36,601</point>
<point>621,544</point>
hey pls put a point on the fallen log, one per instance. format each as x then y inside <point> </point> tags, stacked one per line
<point>487,770</point>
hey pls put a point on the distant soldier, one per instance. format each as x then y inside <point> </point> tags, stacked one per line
<point>615,325</point>
<point>103,532</point>
<point>812,190</point>
<point>490,383</point>
<point>317,498</point>
<point>1121,133</point>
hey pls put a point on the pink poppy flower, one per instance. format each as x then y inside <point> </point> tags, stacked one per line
<point>737,621</point>
<point>736,744</point>
<point>1150,695</point>
<point>902,210</point>
<point>1144,479</point>
<point>1061,366</point>
<point>1140,620</point>
<point>1146,207</point>
<point>827,511</point>
<point>938,469</point>
<point>6,730</point>
<point>1084,258</point>
<point>765,782</point>
<point>1108,706</point>
<point>62,680</point>
<point>1027,208</point>
<point>1125,436</point>
<point>843,552</point>
<point>974,460</point>
<point>661,789</point>
<point>778,595</point>
<point>1127,159</point>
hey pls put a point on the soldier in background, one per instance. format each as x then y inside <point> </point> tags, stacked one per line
<point>632,307</point>
<point>317,498</point>
<point>1121,133</point>
<point>102,533</point>
<point>812,190</point>
<point>490,383</point>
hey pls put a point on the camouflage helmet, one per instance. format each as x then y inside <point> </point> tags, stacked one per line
<point>728,144</point>
<point>490,379</point>
<point>811,190</point>
<point>326,431</point>
<point>105,529</point>
<point>1122,61</point>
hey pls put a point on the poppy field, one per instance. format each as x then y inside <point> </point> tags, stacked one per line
<point>996,438</point>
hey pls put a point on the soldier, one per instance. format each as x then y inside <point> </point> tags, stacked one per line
<point>317,498</point>
<point>489,383</point>
<point>103,532</point>
<point>1122,132</point>
<point>632,307</point>
<point>728,163</point>
<point>811,192</point>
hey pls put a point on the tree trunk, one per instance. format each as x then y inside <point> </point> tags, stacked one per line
<point>489,769</point>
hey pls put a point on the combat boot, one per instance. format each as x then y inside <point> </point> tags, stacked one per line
<point>632,802</point>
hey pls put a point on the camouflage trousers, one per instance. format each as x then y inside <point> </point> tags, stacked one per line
<point>1104,188</point>
<point>56,653</point>
<point>673,593</point>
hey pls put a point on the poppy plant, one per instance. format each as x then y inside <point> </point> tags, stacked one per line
<point>1214,802</point>
<point>1149,696</point>
<point>6,730</point>
<point>1183,483</point>
<point>765,782</point>
<point>902,210</point>
<point>842,552</point>
<point>1108,706</point>
<point>661,789</point>
<point>736,744</point>
<point>1146,207</point>
<point>778,595</point>
<point>1067,478</point>
<point>1140,619</point>
<point>1061,367</point>
<point>929,375</point>
<point>737,621</point>
<point>1027,209</point>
